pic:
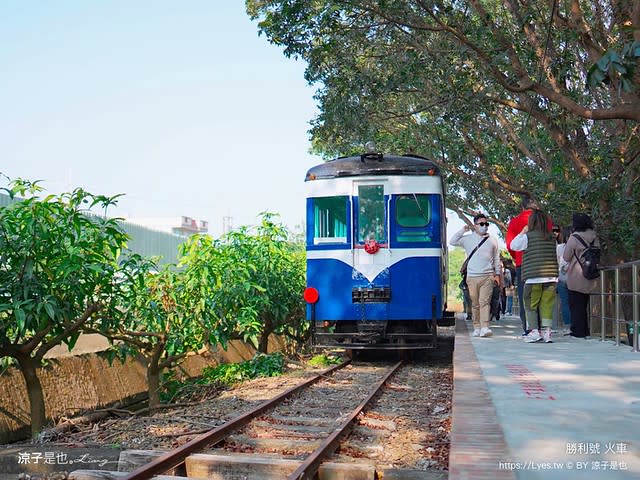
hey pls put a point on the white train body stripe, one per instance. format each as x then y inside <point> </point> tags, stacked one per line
<point>369,265</point>
<point>393,184</point>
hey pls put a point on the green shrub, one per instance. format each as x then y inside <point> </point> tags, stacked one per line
<point>261,365</point>
<point>324,360</point>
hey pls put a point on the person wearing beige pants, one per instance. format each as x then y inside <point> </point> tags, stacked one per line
<point>480,291</point>
<point>483,269</point>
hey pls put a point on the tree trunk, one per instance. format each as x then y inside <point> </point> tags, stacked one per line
<point>263,344</point>
<point>34,389</point>
<point>153,381</point>
<point>153,374</point>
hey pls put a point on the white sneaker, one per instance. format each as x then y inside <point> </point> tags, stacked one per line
<point>485,332</point>
<point>476,332</point>
<point>533,336</point>
<point>546,335</point>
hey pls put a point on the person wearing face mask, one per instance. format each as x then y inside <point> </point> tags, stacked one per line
<point>483,270</point>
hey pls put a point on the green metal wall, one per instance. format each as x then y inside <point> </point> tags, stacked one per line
<point>5,200</point>
<point>150,243</point>
<point>144,241</point>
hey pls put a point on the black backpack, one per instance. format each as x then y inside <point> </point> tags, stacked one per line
<point>589,259</point>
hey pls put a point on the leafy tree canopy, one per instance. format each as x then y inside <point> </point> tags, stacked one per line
<point>256,280</point>
<point>160,321</point>
<point>511,98</point>
<point>58,269</point>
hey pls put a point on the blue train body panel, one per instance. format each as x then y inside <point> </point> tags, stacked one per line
<point>413,283</point>
<point>332,279</point>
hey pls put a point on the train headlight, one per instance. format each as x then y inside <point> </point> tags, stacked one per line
<point>311,295</point>
<point>370,147</point>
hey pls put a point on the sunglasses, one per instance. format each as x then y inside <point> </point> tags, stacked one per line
<point>555,230</point>
<point>483,224</point>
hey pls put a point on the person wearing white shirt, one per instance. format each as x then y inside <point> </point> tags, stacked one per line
<point>483,270</point>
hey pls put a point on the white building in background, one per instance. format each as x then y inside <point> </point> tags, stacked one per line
<point>183,226</point>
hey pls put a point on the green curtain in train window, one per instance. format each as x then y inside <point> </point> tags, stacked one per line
<point>413,215</point>
<point>330,218</point>
<point>371,213</point>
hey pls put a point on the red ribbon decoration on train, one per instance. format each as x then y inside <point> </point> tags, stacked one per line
<point>371,246</point>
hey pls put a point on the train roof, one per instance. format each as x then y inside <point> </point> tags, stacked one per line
<point>373,164</point>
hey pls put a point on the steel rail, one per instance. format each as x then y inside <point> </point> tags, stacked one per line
<point>308,468</point>
<point>173,458</point>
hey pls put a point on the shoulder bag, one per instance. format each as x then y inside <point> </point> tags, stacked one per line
<point>463,270</point>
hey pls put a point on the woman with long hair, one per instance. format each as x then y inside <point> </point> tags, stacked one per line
<point>539,273</point>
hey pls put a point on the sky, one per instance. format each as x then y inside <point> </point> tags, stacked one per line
<point>181,106</point>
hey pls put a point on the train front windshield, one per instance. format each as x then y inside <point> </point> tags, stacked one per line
<point>371,214</point>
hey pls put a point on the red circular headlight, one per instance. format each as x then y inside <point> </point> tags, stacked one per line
<point>311,295</point>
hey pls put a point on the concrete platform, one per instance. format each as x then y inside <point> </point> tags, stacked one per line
<point>561,410</point>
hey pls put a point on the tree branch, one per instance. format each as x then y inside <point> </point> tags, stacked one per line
<point>519,144</point>
<point>90,310</point>
<point>30,345</point>
<point>144,334</point>
<point>558,136</point>
<point>626,111</point>
<point>123,338</point>
<point>170,361</point>
<point>479,151</point>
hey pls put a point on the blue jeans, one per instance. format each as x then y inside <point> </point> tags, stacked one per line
<point>509,305</point>
<point>563,298</point>
<point>520,288</point>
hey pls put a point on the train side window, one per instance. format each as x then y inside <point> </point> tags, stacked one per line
<point>413,214</point>
<point>330,220</point>
<point>371,218</point>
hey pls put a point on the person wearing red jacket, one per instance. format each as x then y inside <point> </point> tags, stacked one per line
<point>516,224</point>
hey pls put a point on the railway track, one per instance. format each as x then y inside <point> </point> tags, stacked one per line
<point>288,436</point>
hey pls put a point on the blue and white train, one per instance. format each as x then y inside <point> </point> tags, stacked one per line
<point>376,252</point>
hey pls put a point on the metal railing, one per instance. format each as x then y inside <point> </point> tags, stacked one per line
<point>619,298</point>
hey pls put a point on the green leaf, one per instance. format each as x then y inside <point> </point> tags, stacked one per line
<point>72,339</point>
<point>627,84</point>
<point>619,67</point>
<point>614,57</point>
<point>252,339</point>
<point>21,318</point>
<point>50,310</point>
